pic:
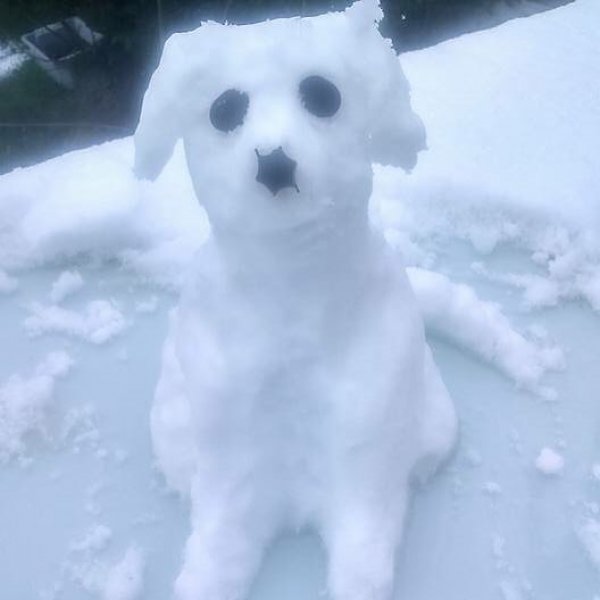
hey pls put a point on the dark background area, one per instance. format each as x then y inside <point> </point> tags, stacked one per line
<point>39,118</point>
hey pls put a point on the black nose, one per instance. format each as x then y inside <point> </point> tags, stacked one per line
<point>277,171</point>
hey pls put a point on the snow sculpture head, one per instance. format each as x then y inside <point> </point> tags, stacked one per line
<point>280,120</point>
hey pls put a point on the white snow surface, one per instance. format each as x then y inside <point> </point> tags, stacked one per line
<point>499,222</point>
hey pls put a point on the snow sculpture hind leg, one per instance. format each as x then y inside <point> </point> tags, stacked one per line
<point>438,423</point>
<point>204,427</point>
<point>392,418</point>
<point>373,452</point>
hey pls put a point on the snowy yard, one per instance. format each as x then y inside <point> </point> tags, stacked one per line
<point>506,201</point>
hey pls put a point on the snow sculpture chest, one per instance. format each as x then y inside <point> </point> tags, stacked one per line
<point>296,388</point>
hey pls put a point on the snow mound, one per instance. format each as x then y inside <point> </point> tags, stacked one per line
<point>419,218</point>
<point>89,204</point>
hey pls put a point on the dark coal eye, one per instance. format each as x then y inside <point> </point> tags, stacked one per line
<point>228,110</point>
<point>320,96</point>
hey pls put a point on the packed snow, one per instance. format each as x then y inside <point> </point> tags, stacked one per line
<point>498,223</point>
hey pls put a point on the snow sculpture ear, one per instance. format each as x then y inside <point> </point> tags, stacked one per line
<point>397,133</point>
<point>159,126</point>
<point>364,14</point>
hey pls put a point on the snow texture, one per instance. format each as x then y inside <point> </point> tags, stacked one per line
<point>100,321</point>
<point>25,401</point>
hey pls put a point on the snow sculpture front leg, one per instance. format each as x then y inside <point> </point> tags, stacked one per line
<point>203,431</point>
<point>393,421</point>
<point>227,540</point>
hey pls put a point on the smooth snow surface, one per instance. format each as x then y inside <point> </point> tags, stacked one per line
<point>499,221</point>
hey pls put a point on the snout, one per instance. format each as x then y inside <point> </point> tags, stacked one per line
<point>276,171</point>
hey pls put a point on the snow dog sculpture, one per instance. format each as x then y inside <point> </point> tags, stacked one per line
<point>297,388</point>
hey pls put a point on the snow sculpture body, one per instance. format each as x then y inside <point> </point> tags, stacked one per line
<point>297,388</point>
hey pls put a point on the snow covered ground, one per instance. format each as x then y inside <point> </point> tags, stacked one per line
<point>10,60</point>
<point>506,202</point>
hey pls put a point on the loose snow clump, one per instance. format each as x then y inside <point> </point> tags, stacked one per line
<point>25,402</point>
<point>98,323</point>
<point>549,462</point>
